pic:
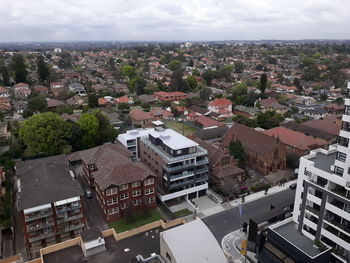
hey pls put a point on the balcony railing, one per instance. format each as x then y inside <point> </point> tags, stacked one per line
<point>35,227</point>
<point>201,162</point>
<point>70,228</point>
<point>341,191</point>
<point>180,184</point>
<point>69,218</point>
<point>333,222</point>
<point>179,167</point>
<point>37,216</point>
<point>202,170</point>
<point>312,210</point>
<point>67,208</point>
<point>42,236</point>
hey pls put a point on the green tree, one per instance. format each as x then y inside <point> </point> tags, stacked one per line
<point>46,133</point>
<point>19,68</point>
<point>42,68</point>
<point>239,66</point>
<point>208,77</point>
<point>145,106</point>
<point>89,125</point>
<point>339,101</point>
<point>92,100</point>
<point>237,151</point>
<point>5,76</point>
<point>129,71</point>
<point>269,119</point>
<point>205,93</point>
<point>174,65</point>
<point>106,133</point>
<point>192,82</point>
<point>263,82</point>
<point>191,63</point>
<point>37,104</point>
<point>297,84</point>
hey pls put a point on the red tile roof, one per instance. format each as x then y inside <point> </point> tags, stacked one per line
<point>21,85</point>
<point>206,122</point>
<point>220,102</point>
<point>331,128</point>
<point>140,115</point>
<point>293,138</point>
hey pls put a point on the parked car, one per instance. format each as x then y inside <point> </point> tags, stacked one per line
<point>293,186</point>
<point>88,193</point>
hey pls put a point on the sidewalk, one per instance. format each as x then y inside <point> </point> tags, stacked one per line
<point>249,198</point>
<point>231,244</point>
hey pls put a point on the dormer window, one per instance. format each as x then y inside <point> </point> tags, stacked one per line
<point>92,167</point>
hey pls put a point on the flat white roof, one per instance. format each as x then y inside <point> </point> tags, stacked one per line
<point>173,140</point>
<point>193,242</point>
<point>133,134</point>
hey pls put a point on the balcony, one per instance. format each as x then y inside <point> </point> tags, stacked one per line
<point>202,162</point>
<point>42,236</point>
<point>312,210</point>
<point>69,218</point>
<point>202,170</point>
<point>182,175</point>
<point>38,226</point>
<point>341,191</point>
<point>71,227</point>
<point>179,167</point>
<point>67,208</point>
<point>180,184</point>
<point>38,215</point>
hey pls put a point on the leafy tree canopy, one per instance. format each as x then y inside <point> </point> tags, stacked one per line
<point>46,133</point>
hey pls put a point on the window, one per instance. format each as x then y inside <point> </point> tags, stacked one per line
<point>341,156</point>
<point>124,196</point>
<point>178,151</point>
<point>92,167</point>
<point>347,110</point>
<point>136,202</point>
<point>192,150</point>
<point>338,170</point>
<point>136,184</point>
<point>345,126</point>
<point>149,181</point>
<point>342,141</point>
<point>149,191</point>
<point>112,201</point>
<point>168,256</point>
<point>151,199</point>
<point>136,193</point>
<point>124,187</point>
<point>111,191</point>
<point>113,210</point>
<point>123,206</point>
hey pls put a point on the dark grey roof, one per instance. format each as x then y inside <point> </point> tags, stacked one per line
<point>208,134</point>
<point>44,181</point>
<point>90,234</point>
<point>199,110</point>
<point>147,98</point>
<point>308,130</point>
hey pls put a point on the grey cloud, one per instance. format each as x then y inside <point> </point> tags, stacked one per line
<point>47,20</point>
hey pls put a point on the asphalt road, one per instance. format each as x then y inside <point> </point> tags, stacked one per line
<point>229,220</point>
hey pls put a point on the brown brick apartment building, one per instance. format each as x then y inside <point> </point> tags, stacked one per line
<point>49,201</point>
<point>122,185</point>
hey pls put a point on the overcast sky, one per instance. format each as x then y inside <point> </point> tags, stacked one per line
<point>64,20</point>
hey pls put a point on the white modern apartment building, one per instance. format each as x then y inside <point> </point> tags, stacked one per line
<point>131,140</point>
<point>180,164</point>
<point>322,201</point>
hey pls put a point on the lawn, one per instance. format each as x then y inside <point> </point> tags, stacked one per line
<point>138,220</point>
<point>183,212</point>
<point>181,127</point>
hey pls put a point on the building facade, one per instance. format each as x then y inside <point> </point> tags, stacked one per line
<point>122,186</point>
<point>180,164</point>
<point>51,213</point>
<point>322,201</point>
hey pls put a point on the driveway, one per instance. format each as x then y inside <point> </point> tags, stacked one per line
<point>92,209</point>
